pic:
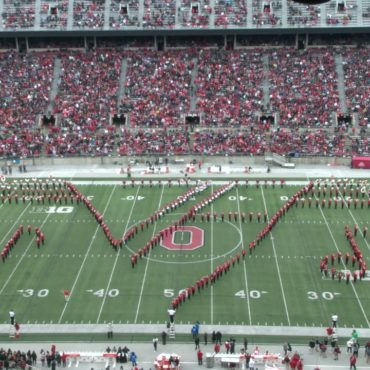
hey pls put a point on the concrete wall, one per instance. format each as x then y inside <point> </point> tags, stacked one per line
<point>124,161</point>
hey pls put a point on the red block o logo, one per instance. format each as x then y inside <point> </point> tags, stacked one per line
<point>196,239</point>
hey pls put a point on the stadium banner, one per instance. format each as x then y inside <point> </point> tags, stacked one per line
<point>361,162</point>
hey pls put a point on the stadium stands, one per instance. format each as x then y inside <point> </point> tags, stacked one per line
<point>54,15</point>
<point>154,91</point>
<point>124,14</point>
<point>303,87</point>
<point>179,14</point>
<point>157,88</point>
<point>229,91</point>
<point>88,14</point>
<point>356,66</point>
<point>228,87</point>
<point>18,15</point>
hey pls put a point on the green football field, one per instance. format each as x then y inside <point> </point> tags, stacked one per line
<point>280,283</point>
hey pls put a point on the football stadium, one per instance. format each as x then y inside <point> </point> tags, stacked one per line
<point>180,168</point>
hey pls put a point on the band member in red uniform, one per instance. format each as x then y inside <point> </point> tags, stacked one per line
<point>347,258</point>
<point>340,275</point>
<point>339,256</point>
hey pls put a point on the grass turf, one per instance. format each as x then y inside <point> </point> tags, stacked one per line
<point>278,284</point>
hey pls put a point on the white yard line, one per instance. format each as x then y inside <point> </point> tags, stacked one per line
<point>336,246</point>
<point>23,255</point>
<point>354,219</point>
<point>212,266</point>
<point>147,262</point>
<point>85,258</point>
<point>244,266</point>
<point>276,260</point>
<point>117,256</point>
<point>14,224</point>
<point>191,182</point>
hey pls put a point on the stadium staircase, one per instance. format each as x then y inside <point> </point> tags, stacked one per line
<point>249,12</point>
<point>193,88</point>
<point>122,80</point>
<point>141,12</point>
<point>323,15</point>
<point>107,14</point>
<point>55,84</point>
<point>365,10</point>
<point>37,13</point>
<point>273,158</point>
<point>70,15</point>
<point>171,331</point>
<point>177,15</point>
<point>1,12</point>
<point>284,14</point>
<point>340,83</point>
<point>266,82</point>
<point>212,15</point>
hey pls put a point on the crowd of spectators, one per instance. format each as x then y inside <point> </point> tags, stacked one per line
<point>195,14</point>
<point>86,97</point>
<point>157,88</point>
<point>124,14</point>
<point>25,82</point>
<point>226,90</point>
<point>303,87</point>
<point>88,14</point>
<point>18,14</point>
<point>12,359</point>
<point>230,142</point>
<point>159,14</point>
<point>316,142</point>
<point>343,13</point>
<point>299,14</point>
<point>266,13</point>
<point>356,65</point>
<point>156,141</point>
<point>54,15</point>
<point>228,87</point>
<point>230,12</point>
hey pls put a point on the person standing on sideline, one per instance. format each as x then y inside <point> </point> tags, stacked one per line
<point>352,362</point>
<point>155,343</point>
<point>110,330</point>
<point>164,338</point>
<point>196,341</point>
<point>336,351</point>
<point>200,357</point>
<point>171,313</point>
<point>245,343</point>
<point>205,336</point>
<point>12,317</point>
<point>367,352</point>
<point>334,319</point>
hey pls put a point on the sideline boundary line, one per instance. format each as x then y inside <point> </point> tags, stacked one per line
<point>147,261</point>
<point>276,260</point>
<point>86,255</point>
<point>117,256</point>
<point>244,264</point>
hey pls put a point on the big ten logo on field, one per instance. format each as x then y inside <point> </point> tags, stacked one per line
<point>50,210</point>
<point>184,238</point>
